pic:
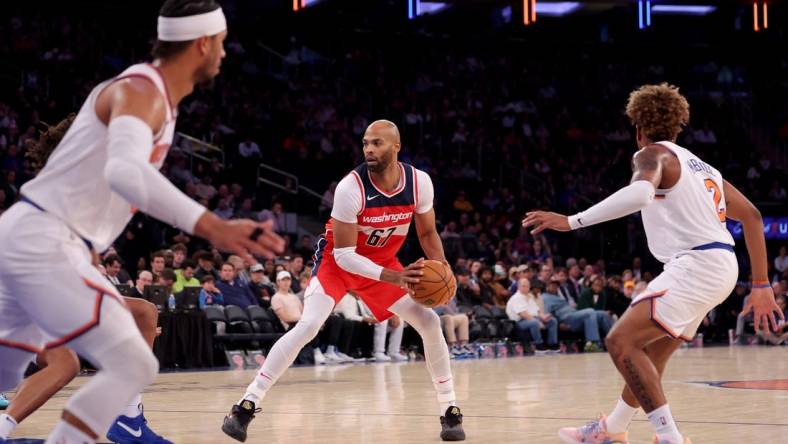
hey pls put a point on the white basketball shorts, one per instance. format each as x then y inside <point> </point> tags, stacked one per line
<point>51,294</point>
<point>692,283</point>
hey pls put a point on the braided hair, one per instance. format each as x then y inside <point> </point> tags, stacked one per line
<point>38,151</point>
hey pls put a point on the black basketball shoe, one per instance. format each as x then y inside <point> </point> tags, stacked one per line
<point>238,420</point>
<point>451,425</point>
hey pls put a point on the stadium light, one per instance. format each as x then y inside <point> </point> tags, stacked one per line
<point>556,9</point>
<point>684,9</point>
<point>425,8</point>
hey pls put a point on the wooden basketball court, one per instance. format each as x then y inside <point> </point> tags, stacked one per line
<point>504,400</point>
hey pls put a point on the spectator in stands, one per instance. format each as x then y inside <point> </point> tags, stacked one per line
<point>178,255</point>
<point>296,267</point>
<point>205,264</point>
<point>574,320</point>
<point>157,264</point>
<point>185,277</point>
<point>261,286</point>
<point>487,287</point>
<point>224,208</point>
<point>167,278</point>
<point>461,204</point>
<point>540,253</point>
<point>629,292</point>
<point>144,278</point>
<point>526,309</point>
<point>594,296</point>
<point>588,274</point>
<point>249,150</point>
<point>205,189</point>
<point>637,273</point>
<point>357,321</point>
<point>240,269</point>
<point>288,309</point>
<point>209,294</point>
<point>455,328</point>
<point>573,282</point>
<point>476,268</point>
<point>233,291</point>
<point>468,292</point>
<point>276,213</point>
<point>168,258</point>
<point>523,271</point>
<point>501,284</point>
<point>781,261</point>
<point>545,273</point>
<point>394,327</point>
<point>245,211</point>
<point>115,274</point>
<point>617,303</point>
<point>567,289</point>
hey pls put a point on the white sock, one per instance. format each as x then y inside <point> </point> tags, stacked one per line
<point>7,425</point>
<point>331,349</point>
<point>65,433</point>
<point>618,420</point>
<point>134,408</point>
<point>250,397</point>
<point>445,406</point>
<point>663,423</point>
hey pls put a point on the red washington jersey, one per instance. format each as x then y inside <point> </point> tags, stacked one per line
<point>383,219</point>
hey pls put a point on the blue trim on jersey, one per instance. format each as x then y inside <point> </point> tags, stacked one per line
<point>713,246</point>
<point>25,199</point>
<point>403,198</point>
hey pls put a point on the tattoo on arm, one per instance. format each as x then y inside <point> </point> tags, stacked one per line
<point>647,165</point>
<point>635,384</point>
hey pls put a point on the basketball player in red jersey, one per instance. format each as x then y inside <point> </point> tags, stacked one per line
<point>373,208</point>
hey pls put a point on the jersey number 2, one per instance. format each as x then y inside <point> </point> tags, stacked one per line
<point>712,186</point>
<point>378,238</point>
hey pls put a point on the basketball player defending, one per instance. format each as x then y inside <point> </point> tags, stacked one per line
<point>373,208</point>
<point>58,366</point>
<point>684,203</point>
<point>105,167</point>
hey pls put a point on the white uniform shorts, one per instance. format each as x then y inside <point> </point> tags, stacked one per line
<point>51,294</point>
<point>692,283</point>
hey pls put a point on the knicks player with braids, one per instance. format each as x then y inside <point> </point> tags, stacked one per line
<point>684,203</point>
<point>104,169</point>
<point>373,208</point>
<point>58,366</point>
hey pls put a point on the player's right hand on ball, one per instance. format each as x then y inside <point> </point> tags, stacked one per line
<point>235,236</point>
<point>405,278</point>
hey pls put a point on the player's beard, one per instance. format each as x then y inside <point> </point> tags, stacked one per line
<point>382,163</point>
<point>206,73</point>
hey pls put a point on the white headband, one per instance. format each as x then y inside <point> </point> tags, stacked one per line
<point>181,29</point>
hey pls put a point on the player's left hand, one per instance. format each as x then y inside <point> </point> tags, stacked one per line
<point>763,306</point>
<point>544,220</point>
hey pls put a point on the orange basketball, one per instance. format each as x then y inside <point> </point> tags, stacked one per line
<point>437,285</point>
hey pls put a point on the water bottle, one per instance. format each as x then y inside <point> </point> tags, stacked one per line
<point>171,302</point>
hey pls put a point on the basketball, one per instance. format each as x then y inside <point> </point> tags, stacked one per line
<point>437,285</point>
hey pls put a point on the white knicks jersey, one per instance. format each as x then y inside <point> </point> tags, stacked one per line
<point>691,213</point>
<point>72,186</point>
